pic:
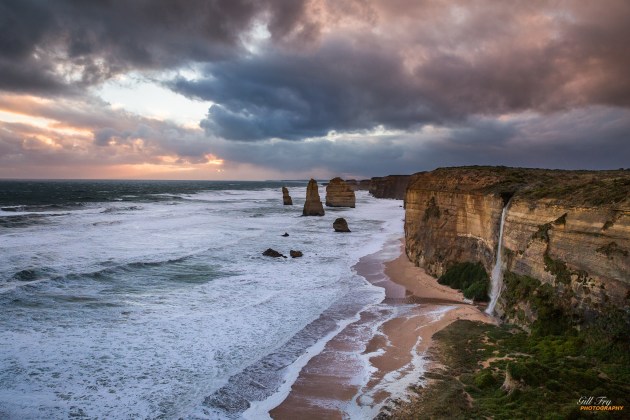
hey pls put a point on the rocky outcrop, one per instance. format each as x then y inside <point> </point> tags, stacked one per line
<point>391,186</point>
<point>362,185</point>
<point>286,198</point>
<point>313,205</point>
<point>272,253</point>
<point>338,194</point>
<point>566,234</point>
<point>510,384</point>
<point>341,225</point>
<point>295,254</point>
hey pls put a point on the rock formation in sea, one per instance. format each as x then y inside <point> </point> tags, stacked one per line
<point>295,254</point>
<point>285,234</point>
<point>566,235</point>
<point>390,186</point>
<point>340,225</point>
<point>354,185</point>
<point>272,253</point>
<point>313,205</point>
<point>286,198</point>
<point>338,194</point>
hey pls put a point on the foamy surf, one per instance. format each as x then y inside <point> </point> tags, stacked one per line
<point>359,357</point>
<point>148,309</point>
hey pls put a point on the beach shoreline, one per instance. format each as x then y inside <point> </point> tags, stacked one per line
<point>424,289</point>
<point>378,357</point>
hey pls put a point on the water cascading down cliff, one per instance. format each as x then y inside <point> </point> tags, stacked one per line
<point>564,237</point>
<point>496,278</point>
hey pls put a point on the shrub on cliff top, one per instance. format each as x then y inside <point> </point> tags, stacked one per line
<point>470,278</point>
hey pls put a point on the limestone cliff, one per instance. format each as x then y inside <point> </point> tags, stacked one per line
<point>566,234</point>
<point>361,185</point>
<point>391,186</point>
<point>338,194</point>
<point>313,205</point>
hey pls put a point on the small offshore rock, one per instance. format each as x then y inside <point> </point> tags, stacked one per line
<point>285,234</point>
<point>272,253</point>
<point>340,225</point>
<point>295,254</point>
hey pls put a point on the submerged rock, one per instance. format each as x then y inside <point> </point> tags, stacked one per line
<point>272,253</point>
<point>295,254</point>
<point>339,194</point>
<point>313,205</point>
<point>340,225</point>
<point>286,198</point>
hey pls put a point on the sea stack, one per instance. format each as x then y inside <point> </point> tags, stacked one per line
<point>313,205</point>
<point>286,198</point>
<point>339,194</point>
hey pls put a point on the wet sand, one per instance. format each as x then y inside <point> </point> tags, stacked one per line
<point>380,355</point>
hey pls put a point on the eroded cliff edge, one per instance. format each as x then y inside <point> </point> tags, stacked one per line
<point>566,236</point>
<point>390,186</point>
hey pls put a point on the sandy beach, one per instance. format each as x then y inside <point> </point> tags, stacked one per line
<point>382,354</point>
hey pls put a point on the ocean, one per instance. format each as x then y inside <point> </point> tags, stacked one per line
<point>151,299</point>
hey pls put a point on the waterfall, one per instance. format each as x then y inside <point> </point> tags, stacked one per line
<point>497,272</point>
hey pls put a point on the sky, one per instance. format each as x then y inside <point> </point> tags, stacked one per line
<point>291,89</point>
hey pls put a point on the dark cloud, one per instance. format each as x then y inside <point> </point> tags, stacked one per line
<point>67,44</point>
<point>446,82</point>
<point>489,59</point>
<point>588,138</point>
<point>329,65</point>
<point>561,140</point>
<point>343,86</point>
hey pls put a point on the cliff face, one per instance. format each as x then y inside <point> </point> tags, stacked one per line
<point>363,184</point>
<point>566,234</point>
<point>391,186</point>
<point>581,251</point>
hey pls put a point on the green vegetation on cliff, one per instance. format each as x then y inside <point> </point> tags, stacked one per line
<point>547,375</point>
<point>503,372</point>
<point>607,334</point>
<point>524,291</point>
<point>470,278</point>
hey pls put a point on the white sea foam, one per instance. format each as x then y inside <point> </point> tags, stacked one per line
<point>395,383</point>
<point>147,312</point>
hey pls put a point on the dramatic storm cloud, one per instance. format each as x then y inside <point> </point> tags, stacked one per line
<point>62,45</point>
<point>355,87</point>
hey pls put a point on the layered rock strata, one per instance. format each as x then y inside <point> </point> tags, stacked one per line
<point>338,194</point>
<point>361,185</point>
<point>313,205</point>
<point>566,234</point>
<point>391,186</point>
<point>286,198</point>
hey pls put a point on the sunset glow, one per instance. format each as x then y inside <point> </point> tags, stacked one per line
<point>366,88</point>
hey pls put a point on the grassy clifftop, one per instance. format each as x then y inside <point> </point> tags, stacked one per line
<point>587,188</point>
